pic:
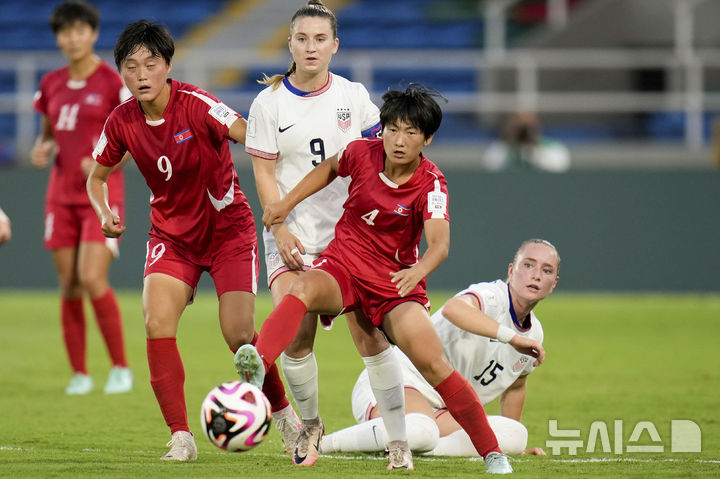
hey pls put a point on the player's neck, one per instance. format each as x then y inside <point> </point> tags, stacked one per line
<point>82,68</point>
<point>155,108</point>
<point>522,307</point>
<point>399,173</point>
<point>309,81</point>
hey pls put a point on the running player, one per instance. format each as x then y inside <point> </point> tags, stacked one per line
<point>373,263</point>
<point>74,102</point>
<point>474,327</point>
<point>200,219</point>
<point>299,120</point>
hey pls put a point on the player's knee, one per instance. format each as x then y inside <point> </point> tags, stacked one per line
<point>512,435</point>
<point>435,370</point>
<point>302,289</point>
<point>422,431</point>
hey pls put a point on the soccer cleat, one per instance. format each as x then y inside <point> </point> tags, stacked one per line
<point>183,447</point>
<point>399,456</point>
<point>249,365</point>
<point>79,384</point>
<point>288,424</point>
<point>119,381</point>
<point>497,463</point>
<point>308,441</point>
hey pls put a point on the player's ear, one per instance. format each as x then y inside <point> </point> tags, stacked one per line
<point>169,68</point>
<point>428,140</point>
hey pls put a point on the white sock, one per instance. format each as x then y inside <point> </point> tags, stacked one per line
<point>369,436</point>
<point>386,381</point>
<point>301,375</point>
<point>511,435</point>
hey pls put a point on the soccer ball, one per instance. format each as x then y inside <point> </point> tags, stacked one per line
<point>235,416</point>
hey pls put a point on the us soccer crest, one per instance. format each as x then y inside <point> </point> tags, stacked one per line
<point>343,117</point>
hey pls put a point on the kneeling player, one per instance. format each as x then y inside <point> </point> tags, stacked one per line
<point>487,331</point>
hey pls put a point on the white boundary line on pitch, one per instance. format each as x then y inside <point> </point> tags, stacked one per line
<point>420,457</point>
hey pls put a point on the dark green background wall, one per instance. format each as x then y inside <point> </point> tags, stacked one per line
<point>616,230</point>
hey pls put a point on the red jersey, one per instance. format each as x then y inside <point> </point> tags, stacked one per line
<point>77,111</point>
<point>185,159</point>
<point>381,227</point>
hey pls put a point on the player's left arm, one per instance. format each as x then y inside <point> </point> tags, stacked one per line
<point>317,179</point>
<point>437,236</point>
<point>512,399</point>
<point>238,130</point>
<point>464,312</point>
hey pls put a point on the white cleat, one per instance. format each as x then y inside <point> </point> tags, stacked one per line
<point>79,384</point>
<point>183,447</point>
<point>497,463</point>
<point>399,456</point>
<point>288,424</point>
<point>119,381</point>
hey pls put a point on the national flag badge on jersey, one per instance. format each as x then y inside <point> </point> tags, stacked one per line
<point>94,99</point>
<point>184,135</point>
<point>343,117</point>
<point>401,210</point>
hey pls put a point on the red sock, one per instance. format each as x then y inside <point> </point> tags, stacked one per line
<point>465,406</point>
<point>72,318</point>
<point>107,314</point>
<point>167,378</point>
<point>280,329</point>
<point>273,386</point>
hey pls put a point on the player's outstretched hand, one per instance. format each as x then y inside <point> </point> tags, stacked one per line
<point>275,213</point>
<point>111,226</point>
<point>530,347</point>
<point>535,451</point>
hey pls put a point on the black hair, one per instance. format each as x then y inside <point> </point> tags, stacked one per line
<point>144,33</point>
<point>415,106</point>
<point>73,11</point>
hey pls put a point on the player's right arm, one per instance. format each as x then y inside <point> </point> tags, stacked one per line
<point>98,194</point>
<point>465,313</point>
<point>317,179</point>
<point>268,192</point>
<point>44,145</point>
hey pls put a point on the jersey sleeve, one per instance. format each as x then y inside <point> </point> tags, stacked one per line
<point>434,204</point>
<point>110,147</point>
<point>261,139</point>
<point>40,98</point>
<point>346,159</point>
<point>369,114</point>
<point>486,297</point>
<point>219,118</point>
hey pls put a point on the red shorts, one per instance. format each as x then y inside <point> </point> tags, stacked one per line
<point>66,226</point>
<point>233,265</point>
<point>374,299</point>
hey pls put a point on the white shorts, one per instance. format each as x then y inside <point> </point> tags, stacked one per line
<point>274,264</point>
<point>363,399</point>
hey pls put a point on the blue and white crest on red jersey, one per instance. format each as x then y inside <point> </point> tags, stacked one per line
<point>184,135</point>
<point>401,210</point>
<point>344,120</point>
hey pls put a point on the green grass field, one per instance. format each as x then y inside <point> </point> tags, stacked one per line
<point>630,358</point>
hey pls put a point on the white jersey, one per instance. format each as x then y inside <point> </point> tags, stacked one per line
<point>300,129</point>
<point>489,365</point>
